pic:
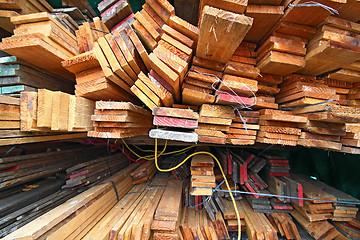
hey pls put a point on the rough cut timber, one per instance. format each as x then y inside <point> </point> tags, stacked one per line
<point>116,13</point>
<point>219,41</point>
<point>184,27</point>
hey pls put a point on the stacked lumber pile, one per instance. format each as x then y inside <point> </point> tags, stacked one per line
<point>299,90</point>
<point>244,128</point>
<point>326,123</point>
<point>41,40</point>
<point>230,217</point>
<point>17,76</point>
<point>18,116</point>
<point>334,37</point>
<point>83,5</point>
<point>74,16</point>
<point>18,170</point>
<point>179,124</point>
<point>167,216</point>
<point>214,122</point>
<point>115,12</point>
<point>14,8</point>
<point>30,202</point>
<point>66,20</point>
<point>277,165</point>
<point>279,127</point>
<point>257,225</point>
<point>119,120</point>
<point>95,171</point>
<point>202,175</point>
<point>78,215</point>
<point>88,33</point>
<point>144,173</point>
<point>48,111</point>
<point>352,132</point>
<point>285,225</point>
<point>314,210</point>
<point>153,90</point>
<point>348,230</point>
<point>354,95</point>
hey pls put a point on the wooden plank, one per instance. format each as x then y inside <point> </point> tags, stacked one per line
<point>175,112</point>
<point>182,47</point>
<point>155,5</point>
<point>184,27</point>
<point>153,15</point>
<point>208,110</point>
<point>173,135</point>
<point>265,17</point>
<point>178,36</point>
<point>143,97</point>
<point>212,47</point>
<point>44,112</point>
<point>214,120</point>
<point>152,31</point>
<point>148,92</point>
<point>243,70</point>
<point>9,100</point>
<point>208,64</point>
<point>276,141</point>
<point>175,122</point>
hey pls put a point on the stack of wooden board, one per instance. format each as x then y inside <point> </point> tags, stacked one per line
<point>354,95</point>
<point>167,216</point>
<point>114,12</point>
<point>267,88</point>
<point>78,215</point>
<point>243,129</point>
<point>200,83</point>
<point>27,205</point>
<point>46,111</point>
<point>281,54</point>
<point>119,120</point>
<point>326,123</point>
<point>277,165</point>
<point>17,76</point>
<point>335,37</point>
<point>88,34</point>
<point>181,124</point>
<point>12,111</point>
<point>342,88</point>
<point>13,8</point>
<point>202,175</point>
<point>41,40</point>
<point>314,210</point>
<point>279,127</point>
<point>66,20</point>
<point>257,225</point>
<point>95,171</point>
<point>19,170</point>
<point>352,133</point>
<point>343,212</point>
<point>299,90</point>
<point>144,173</point>
<point>285,225</point>
<point>230,217</point>
<point>214,119</point>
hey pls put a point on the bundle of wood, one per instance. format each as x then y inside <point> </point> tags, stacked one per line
<point>88,33</point>
<point>281,54</point>
<point>214,119</point>
<point>230,217</point>
<point>76,16</point>
<point>181,124</point>
<point>279,127</point>
<point>78,215</point>
<point>14,8</point>
<point>197,225</point>
<point>202,175</point>
<point>313,210</point>
<point>352,133</point>
<point>354,95</point>
<point>43,41</point>
<point>17,76</point>
<point>144,173</point>
<point>343,212</point>
<point>267,88</point>
<point>93,172</point>
<point>83,5</point>
<point>18,170</point>
<point>244,127</point>
<point>335,36</point>
<point>298,90</point>
<point>32,201</point>
<point>151,91</point>
<point>119,120</point>
<point>114,12</point>
<point>285,225</point>
<point>348,230</point>
<point>326,124</point>
<point>66,20</point>
<point>343,89</point>
<point>12,127</point>
<point>277,165</point>
<point>167,216</point>
<point>257,225</point>
<point>48,111</point>
<point>319,229</point>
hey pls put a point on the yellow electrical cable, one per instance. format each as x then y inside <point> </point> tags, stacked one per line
<point>148,157</point>
<point>152,157</point>
<point>221,170</point>
<point>142,150</point>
